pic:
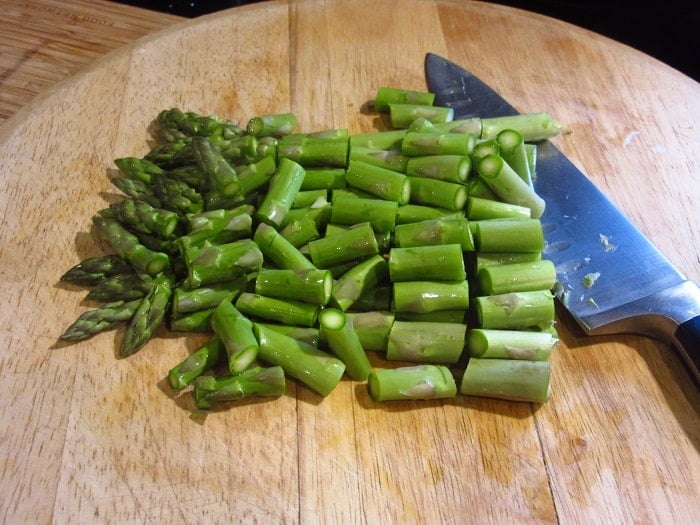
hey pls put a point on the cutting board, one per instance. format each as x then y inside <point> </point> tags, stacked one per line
<point>89,438</point>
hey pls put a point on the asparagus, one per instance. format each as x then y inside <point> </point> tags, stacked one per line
<point>412,382</point>
<point>142,217</point>
<point>347,210</point>
<point>300,232</point>
<point>426,342</point>
<point>127,246</point>
<point>318,370</point>
<point>192,175</point>
<point>382,182</point>
<point>391,159</point>
<point>309,198</point>
<point>279,250</point>
<point>276,125</point>
<point>435,231</point>
<point>285,311</point>
<point>510,344</point>
<point>92,270</point>
<point>436,316</point>
<point>138,169</point>
<point>508,185</point>
<point>338,331</point>
<point>210,160</point>
<point>484,259</point>
<point>372,328</point>
<point>177,196</point>
<point>510,379</point>
<point>283,187</point>
<point>438,193</point>
<point>392,95</point>
<point>512,149</point>
<point>308,150</point>
<point>515,310</point>
<point>193,124</point>
<point>217,263</point>
<point>323,178</point>
<point>205,297</point>
<point>121,287</point>
<point>358,280</point>
<point>402,115</point>
<point>236,332</point>
<point>441,262</point>
<point>100,319</point>
<point>310,285</point>
<point>137,189</point>
<point>430,296</point>
<point>449,168</point>
<point>350,245</point>
<point>508,235</point>
<point>306,334</point>
<point>149,315</point>
<point>380,140</point>
<point>517,277</point>
<point>258,381</point>
<point>218,226</point>
<point>410,213</point>
<point>532,126</point>
<point>197,321</point>
<point>429,143</point>
<point>204,358</point>
<point>483,209</point>
<point>256,175</point>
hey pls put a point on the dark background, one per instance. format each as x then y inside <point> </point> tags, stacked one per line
<point>667,30</point>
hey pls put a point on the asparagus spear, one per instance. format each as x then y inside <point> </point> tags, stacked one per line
<point>382,182</point>
<point>236,332</point>
<point>92,270</point>
<point>121,287</point>
<point>204,358</point>
<point>435,231</point>
<point>515,310</point>
<point>283,188</point>
<point>137,189</point>
<point>508,185</point>
<point>338,331</point>
<point>258,381</point>
<point>205,297</point>
<point>138,169</point>
<point>149,315</point>
<point>289,312</point>
<point>309,285</point>
<point>276,125</point>
<point>222,176</point>
<point>279,250</point>
<point>127,246</point>
<point>440,262</point>
<point>402,115</point>
<point>412,382</point>
<point>140,216</point>
<point>517,277</point>
<point>510,379</point>
<point>426,342</point>
<point>217,263</point>
<point>177,196</point>
<point>100,319</point>
<point>393,95</point>
<point>510,344</point>
<point>430,296</point>
<point>318,370</point>
<point>438,193</point>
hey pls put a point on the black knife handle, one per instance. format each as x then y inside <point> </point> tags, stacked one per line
<point>688,337</point>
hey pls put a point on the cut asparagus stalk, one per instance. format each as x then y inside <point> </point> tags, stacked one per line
<point>515,310</point>
<point>310,285</point>
<point>510,344</point>
<point>236,332</point>
<point>318,370</point>
<point>442,262</point>
<point>201,360</point>
<point>423,382</point>
<point>254,382</point>
<point>430,296</point>
<point>426,342</point>
<point>339,334</point>
<point>510,379</point>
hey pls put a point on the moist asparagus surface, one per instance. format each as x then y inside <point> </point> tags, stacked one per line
<point>275,241</point>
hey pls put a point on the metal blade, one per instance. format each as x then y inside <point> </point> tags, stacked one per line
<point>603,262</point>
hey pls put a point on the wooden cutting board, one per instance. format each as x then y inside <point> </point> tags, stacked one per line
<point>88,438</point>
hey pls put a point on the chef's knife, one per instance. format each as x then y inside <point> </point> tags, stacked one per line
<point>635,288</point>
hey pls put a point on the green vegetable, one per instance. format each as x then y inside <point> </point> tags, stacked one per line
<point>412,382</point>
<point>511,379</point>
<point>338,331</point>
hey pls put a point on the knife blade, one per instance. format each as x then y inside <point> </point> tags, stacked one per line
<point>635,288</point>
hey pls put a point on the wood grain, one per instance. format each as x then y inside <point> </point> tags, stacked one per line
<point>86,437</point>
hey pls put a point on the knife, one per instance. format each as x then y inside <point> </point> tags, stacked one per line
<point>637,290</point>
